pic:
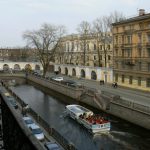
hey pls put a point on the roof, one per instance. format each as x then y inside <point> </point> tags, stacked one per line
<point>34,126</point>
<point>133,19</point>
<point>26,118</point>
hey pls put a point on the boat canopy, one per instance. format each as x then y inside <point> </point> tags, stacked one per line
<point>79,109</point>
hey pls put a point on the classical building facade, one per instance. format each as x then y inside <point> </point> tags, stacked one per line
<point>131,58</point>
<point>17,54</point>
<point>75,50</point>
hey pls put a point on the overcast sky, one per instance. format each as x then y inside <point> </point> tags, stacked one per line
<point>18,16</point>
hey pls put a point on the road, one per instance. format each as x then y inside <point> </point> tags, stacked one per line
<point>133,95</point>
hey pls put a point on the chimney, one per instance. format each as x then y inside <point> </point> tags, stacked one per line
<point>141,12</point>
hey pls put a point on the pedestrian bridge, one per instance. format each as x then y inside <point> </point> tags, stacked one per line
<point>20,66</point>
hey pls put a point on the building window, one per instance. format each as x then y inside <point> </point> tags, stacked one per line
<point>148,67</point>
<point>140,38</point>
<point>116,65</point>
<point>116,52</point>
<point>94,46</point>
<point>94,57</point>
<point>139,65</point>
<point>148,82</point>
<point>72,46</point>
<point>123,64</point>
<point>100,57</point>
<point>129,39</point>
<point>139,81</point>
<point>122,78</point>
<point>116,38</point>
<point>122,39</point>
<point>100,47</point>
<point>108,46</point>
<point>122,52</point>
<point>130,79</point>
<point>87,47</point>
<point>68,47</point>
<point>129,53</point>
<point>116,77</point>
<point>139,52</point>
<point>109,57</point>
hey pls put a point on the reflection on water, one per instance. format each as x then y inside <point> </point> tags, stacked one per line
<point>123,135</point>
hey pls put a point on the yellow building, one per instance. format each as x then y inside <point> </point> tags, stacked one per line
<point>74,48</point>
<point>131,42</point>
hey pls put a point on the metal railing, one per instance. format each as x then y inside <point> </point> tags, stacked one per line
<point>51,131</point>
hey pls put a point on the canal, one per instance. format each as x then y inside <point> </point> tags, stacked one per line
<point>123,135</point>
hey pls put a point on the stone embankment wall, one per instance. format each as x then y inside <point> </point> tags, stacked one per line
<point>15,135</point>
<point>18,79</point>
<point>58,87</point>
<point>113,104</point>
<point>132,112</point>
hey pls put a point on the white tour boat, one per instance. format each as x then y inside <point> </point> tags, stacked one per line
<point>84,116</point>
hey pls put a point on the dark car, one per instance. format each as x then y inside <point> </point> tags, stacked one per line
<point>12,101</point>
<point>79,85</point>
<point>52,146</point>
<point>34,73</point>
<point>68,82</point>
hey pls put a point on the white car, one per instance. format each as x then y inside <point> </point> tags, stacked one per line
<point>57,78</point>
<point>37,131</point>
<point>28,121</point>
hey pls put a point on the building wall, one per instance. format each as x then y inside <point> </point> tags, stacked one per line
<point>17,54</point>
<point>72,52</point>
<point>95,73</point>
<point>131,40</point>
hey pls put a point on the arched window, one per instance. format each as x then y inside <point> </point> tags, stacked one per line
<point>28,67</point>
<point>37,67</point>
<point>82,73</point>
<point>5,67</point>
<point>59,69</point>
<point>93,75</point>
<point>17,67</point>
<point>73,72</point>
<point>94,46</point>
<point>66,71</point>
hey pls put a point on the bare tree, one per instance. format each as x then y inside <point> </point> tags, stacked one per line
<point>46,40</point>
<point>101,30</point>
<point>116,17</point>
<point>84,30</point>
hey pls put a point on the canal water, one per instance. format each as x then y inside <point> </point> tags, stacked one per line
<point>123,135</point>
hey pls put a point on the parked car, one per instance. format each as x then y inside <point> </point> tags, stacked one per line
<point>37,131</point>
<point>28,121</point>
<point>12,101</point>
<point>57,78</point>
<point>79,85</point>
<point>52,146</point>
<point>68,82</point>
<point>34,73</point>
